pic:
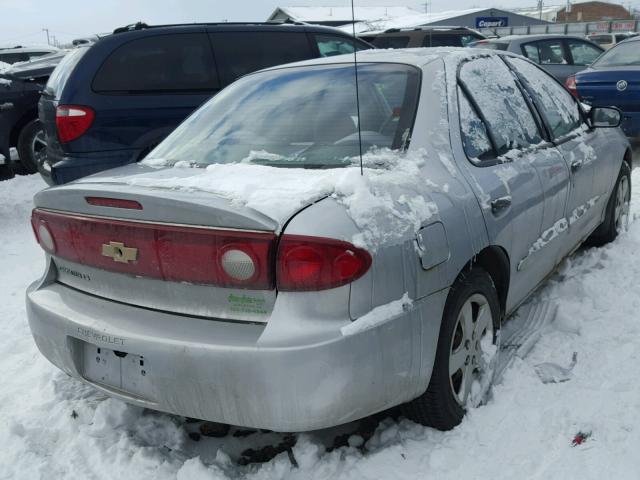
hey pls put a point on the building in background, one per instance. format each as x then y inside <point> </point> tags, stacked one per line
<point>378,19</point>
<point>336,16</point>
<point>592,12</point>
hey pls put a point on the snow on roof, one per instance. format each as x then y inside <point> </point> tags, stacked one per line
<point>336,14</point>
<point>408,21</point>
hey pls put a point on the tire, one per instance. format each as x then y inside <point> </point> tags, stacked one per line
<point>32,146</point>
<point>617,214</point>
<point>442,406</point>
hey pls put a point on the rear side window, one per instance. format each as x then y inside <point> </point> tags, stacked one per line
<point>391,42</point>
<point>239,53</point>
<point>159,64</point>
<point>494,90</point>
<point>330,45</point>
<point>582,52</point>
<point>556,104</point>
<point>61,73</point>
<point>545,52</point>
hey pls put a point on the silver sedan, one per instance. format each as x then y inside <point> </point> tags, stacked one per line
<point>293,257</point>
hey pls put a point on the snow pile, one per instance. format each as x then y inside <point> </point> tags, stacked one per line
<point>388,202</point>
<point>4,66</point>
<point>52,426</point>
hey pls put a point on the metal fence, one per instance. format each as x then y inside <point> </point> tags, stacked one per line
<point>567,28</point>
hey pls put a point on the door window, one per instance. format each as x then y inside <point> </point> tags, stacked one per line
<point>501,103</point>
<point>545,52</point>
<point>475,138</point>
<point>556,104</point>
<point>582,52</point>
<point>239,53</point>
<point>159,64</point>
<point>330,45</point>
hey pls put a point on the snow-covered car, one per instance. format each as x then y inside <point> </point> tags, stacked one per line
<point>257,270</point>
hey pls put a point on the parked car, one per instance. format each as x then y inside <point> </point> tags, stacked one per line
<point>613,79</point>
<point>608,40</point>
<point>423,37</point>
<point>256,270</point>
<point>111,104</point>
<point>20,88</point>
<point>24,54</point>
<point>560,55</point>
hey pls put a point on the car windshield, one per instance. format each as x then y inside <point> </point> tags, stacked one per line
<point>623,54</point>
<point>304,117</point>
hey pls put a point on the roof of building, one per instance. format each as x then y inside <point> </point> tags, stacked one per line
<point>341,13</point>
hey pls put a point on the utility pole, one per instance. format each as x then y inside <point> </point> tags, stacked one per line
<point>47,30</point>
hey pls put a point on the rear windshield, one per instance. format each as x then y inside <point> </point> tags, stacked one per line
<point>601,39</point>
<point>61,73</point>
<point>623,54</point>
<point>304,117</point>
<point>489,45</point>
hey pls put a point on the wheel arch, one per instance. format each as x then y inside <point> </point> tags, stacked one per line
<point>628,157</point>
<point>495,261</point>
<point>26,118</point>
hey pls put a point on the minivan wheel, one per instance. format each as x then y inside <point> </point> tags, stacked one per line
<point>32,146</point>
<point>466,353</point>
<point>617,215</point>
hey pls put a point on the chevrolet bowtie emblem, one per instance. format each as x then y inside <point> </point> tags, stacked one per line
<point>119,253</point>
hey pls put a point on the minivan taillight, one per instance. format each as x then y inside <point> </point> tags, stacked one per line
<point>72,121</point>
<point>571,85</point>
<point>313,263</point>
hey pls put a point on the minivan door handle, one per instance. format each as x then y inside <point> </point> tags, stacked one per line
<point>500,204</point>
<point>576,165</point>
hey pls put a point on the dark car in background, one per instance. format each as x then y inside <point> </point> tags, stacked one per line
<point>613,80</point>
<point>560,55</point>
<point>423,37</point>
<point>20,88</point>
<point>111,104</point>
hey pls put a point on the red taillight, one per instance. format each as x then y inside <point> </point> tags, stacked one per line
<point>43,234</point>
<point>570,84</point>
<point>313,263</point>
<point>168,252</point>
<point>72,121</point>
<point>113,203</point>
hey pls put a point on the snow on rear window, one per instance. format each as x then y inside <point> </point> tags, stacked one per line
<point>495,92</point>
<point>474,133</point>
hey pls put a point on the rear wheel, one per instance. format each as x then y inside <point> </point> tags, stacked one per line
<point>617,216</point>
<point>465,356</point>
<point>32,146</point>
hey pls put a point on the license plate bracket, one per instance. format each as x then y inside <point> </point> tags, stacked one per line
<point>124,371</point>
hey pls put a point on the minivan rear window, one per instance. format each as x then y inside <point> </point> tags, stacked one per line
<point>61,73</point>
<point>391,42</point>
<point>159,64</point>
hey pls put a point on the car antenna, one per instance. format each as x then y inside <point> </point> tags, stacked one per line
<point>355,67</point>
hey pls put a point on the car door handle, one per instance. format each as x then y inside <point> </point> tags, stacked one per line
<point>576,165</point>
<point>500,204</point>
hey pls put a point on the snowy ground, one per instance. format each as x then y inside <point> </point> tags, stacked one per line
<point>52,426</point>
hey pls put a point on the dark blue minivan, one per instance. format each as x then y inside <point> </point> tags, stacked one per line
<point>110,104</point>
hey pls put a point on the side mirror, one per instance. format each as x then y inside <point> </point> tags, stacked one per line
<point>605,117</point>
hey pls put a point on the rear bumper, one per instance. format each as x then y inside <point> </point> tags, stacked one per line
<point>66,168</point>
<point>225,372</point>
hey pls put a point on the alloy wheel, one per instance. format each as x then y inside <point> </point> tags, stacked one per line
<point>621,212</point>
<point>472,349</point>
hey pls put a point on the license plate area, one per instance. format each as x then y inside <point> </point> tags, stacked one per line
<point>118,370</point>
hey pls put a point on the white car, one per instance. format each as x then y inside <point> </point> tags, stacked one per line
<point>17,54</point>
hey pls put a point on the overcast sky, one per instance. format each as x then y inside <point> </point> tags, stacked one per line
<point>22,21</point>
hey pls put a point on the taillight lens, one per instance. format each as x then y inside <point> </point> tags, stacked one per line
<point>72,121</point>
<point>175,253</point>
<point>570,84</point>
<point>313,263</point>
